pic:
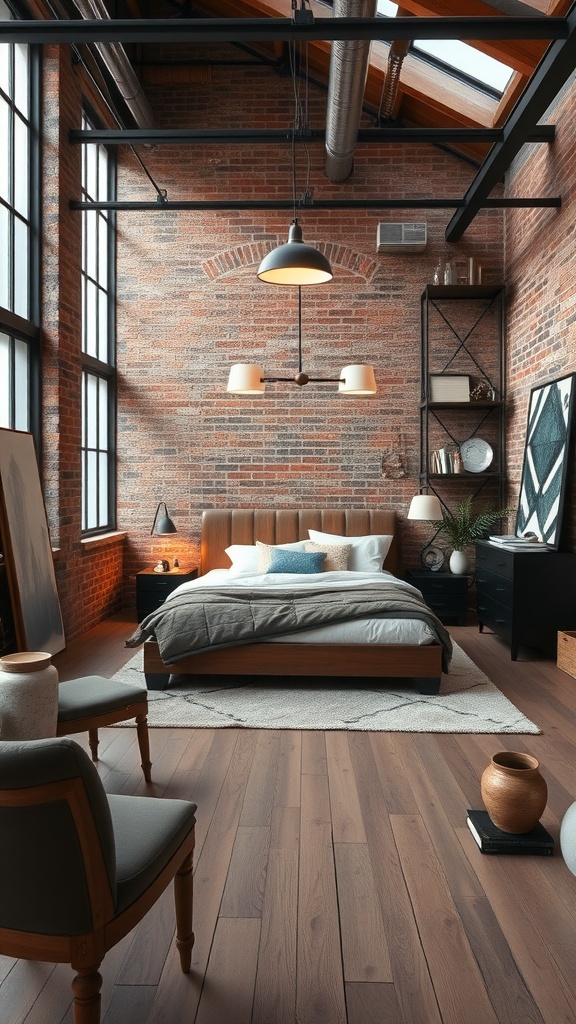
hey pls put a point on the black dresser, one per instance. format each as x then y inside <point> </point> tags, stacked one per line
<point>445,593</point>
<point>525,597</point>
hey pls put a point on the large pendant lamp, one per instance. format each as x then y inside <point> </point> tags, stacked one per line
<point>294,262</point>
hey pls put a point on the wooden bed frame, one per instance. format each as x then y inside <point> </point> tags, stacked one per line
<point>222,527</point>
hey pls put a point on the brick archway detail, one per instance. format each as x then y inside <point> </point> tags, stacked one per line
<point>251,254</point>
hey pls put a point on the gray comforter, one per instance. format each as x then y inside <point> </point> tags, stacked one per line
<point>215,617</point>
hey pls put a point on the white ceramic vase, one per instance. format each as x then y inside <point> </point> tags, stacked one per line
<point>28,696</point>
<point>459,563</point>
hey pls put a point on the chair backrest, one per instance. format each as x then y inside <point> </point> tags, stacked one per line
<point>57,854</point>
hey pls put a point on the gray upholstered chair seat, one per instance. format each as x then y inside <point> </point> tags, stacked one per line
<point>84,697</point>
<point>91,702</point>
<point>147,833</point>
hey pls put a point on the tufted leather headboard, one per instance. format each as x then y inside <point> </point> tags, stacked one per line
<point>224,526</point>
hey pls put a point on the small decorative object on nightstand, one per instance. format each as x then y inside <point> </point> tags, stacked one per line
<point>152,588</point>
<point>445,593</point>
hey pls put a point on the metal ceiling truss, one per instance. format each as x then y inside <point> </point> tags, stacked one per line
<point>220,136</point>
<point>272,30</point>
<point>552,73</point>
<point>520,127</point>
<point>316,204</point>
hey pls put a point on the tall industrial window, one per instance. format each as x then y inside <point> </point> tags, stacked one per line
<point>19,235</point>
<point>98,341</point>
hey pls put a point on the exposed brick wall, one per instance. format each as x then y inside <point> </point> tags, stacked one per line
<point>541,279</point>
<point>189,305</point>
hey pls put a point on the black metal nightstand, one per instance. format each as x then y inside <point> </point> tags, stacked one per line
<point>152,588</point>
<point>444,592</point>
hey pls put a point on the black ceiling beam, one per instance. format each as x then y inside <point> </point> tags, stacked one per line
<point>553,71</point>
<point>318,204</point>
<point>271,30</point>
<point>226,136</point>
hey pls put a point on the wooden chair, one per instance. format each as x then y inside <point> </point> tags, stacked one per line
<point>92,702</point>
<point>79,869</point>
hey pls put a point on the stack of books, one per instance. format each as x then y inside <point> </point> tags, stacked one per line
<point>512,543</point>
<point>490,839</point>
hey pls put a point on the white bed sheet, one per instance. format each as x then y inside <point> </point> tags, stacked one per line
<point>358,631</point>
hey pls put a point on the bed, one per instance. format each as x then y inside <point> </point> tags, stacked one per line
<point>420,663</point>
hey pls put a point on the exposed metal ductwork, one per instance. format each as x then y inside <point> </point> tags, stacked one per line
<point>118,65</point>
<point>346,86</point>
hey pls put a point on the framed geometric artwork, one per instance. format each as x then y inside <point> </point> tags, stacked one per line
<point>546,455</point>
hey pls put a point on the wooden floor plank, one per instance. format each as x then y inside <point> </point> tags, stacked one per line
<point>436,793</point>
<point>394,785</point>
<point>372,1003</point>
<point>275,990</point>
<point>504,983</point>
<point>133,1000</point>
<point>413,984</point>
<point>320,990</point>
<point>347,824</point>
<point>228,990</point>
<point>245,884</point>
<point>549,990</point>
<point>457,980</point>
<point>364,945</point>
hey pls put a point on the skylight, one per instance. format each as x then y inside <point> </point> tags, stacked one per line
<point>472,62</point>
<point>457,56</point>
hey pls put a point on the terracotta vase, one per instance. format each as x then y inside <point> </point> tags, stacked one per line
<point>514,792</point>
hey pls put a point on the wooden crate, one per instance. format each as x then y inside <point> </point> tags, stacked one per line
<point>566,658</point>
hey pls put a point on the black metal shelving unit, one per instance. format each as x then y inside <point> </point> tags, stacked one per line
<point>460,421</point>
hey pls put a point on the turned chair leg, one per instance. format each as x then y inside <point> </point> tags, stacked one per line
<point>93,741</point>
<point>86,989</point>
<point>144,744</point>
<point>183,898</point>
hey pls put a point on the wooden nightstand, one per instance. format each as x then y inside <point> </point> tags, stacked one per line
<point>444,592</point>
<point>152,588</point>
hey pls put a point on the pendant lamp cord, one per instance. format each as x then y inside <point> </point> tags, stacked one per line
<point>299,328</point>
<point>300,126</point>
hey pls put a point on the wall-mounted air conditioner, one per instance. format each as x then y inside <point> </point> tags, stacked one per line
<point>408,237</point>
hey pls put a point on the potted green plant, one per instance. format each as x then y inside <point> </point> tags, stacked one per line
<point>464,526</point>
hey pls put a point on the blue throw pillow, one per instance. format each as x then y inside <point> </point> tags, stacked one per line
<point>296,561</point>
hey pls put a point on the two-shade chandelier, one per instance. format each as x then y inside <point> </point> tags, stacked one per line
<point>295,263</point>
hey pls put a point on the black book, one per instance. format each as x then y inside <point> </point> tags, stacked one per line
<point>492,840</point>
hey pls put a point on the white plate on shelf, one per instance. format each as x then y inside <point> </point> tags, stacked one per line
<point>476,455</point>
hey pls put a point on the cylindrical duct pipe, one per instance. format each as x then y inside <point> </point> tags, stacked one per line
<point>346,86</point>
<point>118,65</point>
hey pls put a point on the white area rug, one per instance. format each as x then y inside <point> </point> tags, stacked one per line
<point>467,702</point>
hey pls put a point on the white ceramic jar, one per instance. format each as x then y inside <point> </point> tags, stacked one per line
<point>28,696</point>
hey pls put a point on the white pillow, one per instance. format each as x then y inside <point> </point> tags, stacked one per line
<point>367,553</point>
<point>265,552</point>
<point>244,558</point>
